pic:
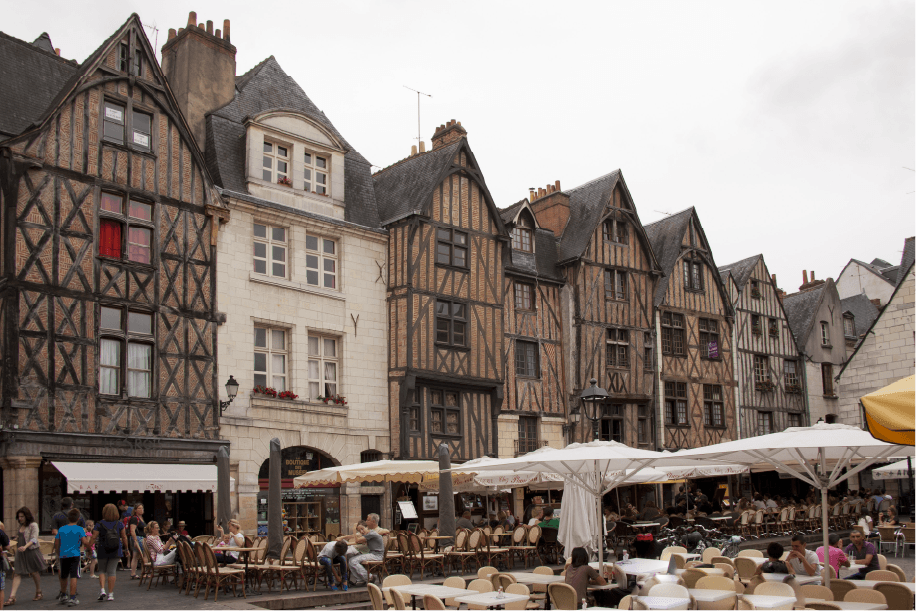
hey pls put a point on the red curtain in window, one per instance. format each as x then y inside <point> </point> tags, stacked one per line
<point>110,239</point>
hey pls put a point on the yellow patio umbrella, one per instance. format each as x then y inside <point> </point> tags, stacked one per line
<point>889,412</point>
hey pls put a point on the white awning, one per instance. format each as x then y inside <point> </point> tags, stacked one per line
<point>138,477</point>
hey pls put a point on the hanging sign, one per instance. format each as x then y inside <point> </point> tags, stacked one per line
<point>714,349</point>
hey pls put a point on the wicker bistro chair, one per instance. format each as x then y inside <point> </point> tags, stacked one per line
<point>492,554</point>
<point>393,556</point>
<point>423,559</point>
<point>454,554</point>
<point>525,547</point>
<point>893,568</point>
<point>393,580</point>
<point>840,587</point>
<point>881,575</point>
<point>276,570</point>
<point>433,602</point>
<point>220,577</point>
<point>563,596</point>
<point>191,566</point>
<point>156,572</point>
<point>309,567</point>
<point>550,548</point>
<point>865,595</point>
<point>375,597</point>
<point>454,582</point>
<point>898,596</point>
<point>469,551</point>
<point>379,568</point>
<point>817,591</point>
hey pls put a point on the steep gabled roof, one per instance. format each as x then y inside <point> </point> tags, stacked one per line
<point>873,269</point>
<point>44,43</point>
<point>741,270</point>
<point>586,207</point>
<point>801,309</point>
<point>508,214</point>
<point>906,261</point>
<point>666,236</point>
<point>31,77</point>
<point>862,309</point>
<point>403,189</point>
<point>880,263</point>
<point>264,88</point>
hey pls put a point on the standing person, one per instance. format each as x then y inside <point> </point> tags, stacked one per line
<point>90,550</point>
<point>802,560</point>
<point>110,535</point>
<point>580,575</point>
<point>4,563</point>
<point>59,519</point>
<point>836,555</point>
<point>863,551</point>
<point>136,533</point>
<point>332,553</point>
<point>67,543</point>
<point>29,560</point>
<point>159,553</point>
<point>376,546</point>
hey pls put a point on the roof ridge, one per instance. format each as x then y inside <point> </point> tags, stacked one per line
<point>417,156</point>
<point>245,78</point>
<point>594,180</point>
<point>33,47</point>
<point>670,216</point>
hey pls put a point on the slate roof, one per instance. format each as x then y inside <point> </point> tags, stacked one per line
<point>887,273</point>
<point>586,206</point>
<point>31,77</point>
<point>44,43</point>
<point>267,87</point>
<point>508,213</point>
<point>666,235</point>
<point>906,261</point>
<point>740,271</point>
<point>542,263</point>
<point>862,309</point>
<point>880,263</point>
<point>404,188</point>
<point>800,311</point>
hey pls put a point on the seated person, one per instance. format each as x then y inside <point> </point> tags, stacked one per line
<point>376,546</point>
<point>465,521</point>
<point>549,521</point>
<point>580,575</point>
<point>182,528</point>
<point>801,560</point>
<point>537,515</point>
<point>225,557</point>
<point>359,548</point>
<point>863,552</point>
<point>773,563</point>
<point>835,552</point>
<point>650,512</point>
<point>889,518</point>
<point>158,551</point>
<point>334,552</point>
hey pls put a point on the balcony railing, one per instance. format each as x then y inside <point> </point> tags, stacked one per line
<point>523,446</point>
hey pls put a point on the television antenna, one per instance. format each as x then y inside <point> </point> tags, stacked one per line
<point>419,93</point>
<point>152,28</point>
<point>662,212</point>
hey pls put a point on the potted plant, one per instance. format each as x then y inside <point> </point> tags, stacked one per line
<point>288,394</point>
<point>793,388</point>
<point>265,390</point>
<point>755,293</point>
<point>337,399</point>
<point>285,181</point>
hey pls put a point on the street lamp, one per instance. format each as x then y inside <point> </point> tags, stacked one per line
<point>232,389</point>
<point>592,398</point>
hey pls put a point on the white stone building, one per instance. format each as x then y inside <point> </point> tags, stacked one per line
<point>301,286</point>
<point>876,280</point>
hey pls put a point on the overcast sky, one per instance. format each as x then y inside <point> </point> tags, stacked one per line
<point>788,125</point>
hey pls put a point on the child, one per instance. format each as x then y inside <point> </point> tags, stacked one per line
<point>90,550</point>
<point>67,544</point>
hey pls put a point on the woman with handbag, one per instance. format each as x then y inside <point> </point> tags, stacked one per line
<point>29,560</point>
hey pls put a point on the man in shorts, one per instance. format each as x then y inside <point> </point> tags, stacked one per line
<point>67,543</point>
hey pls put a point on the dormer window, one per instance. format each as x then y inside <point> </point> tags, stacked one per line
<point>127,62</point>
<point>616,231</point>
<point>522,235</point>
<point>693,275</point>
<point>276,163</point>
<point>315,173</point>
<point>849,326</point>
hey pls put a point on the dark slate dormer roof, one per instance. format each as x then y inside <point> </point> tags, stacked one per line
<point>508,214</point>
<point>880,263</point>
<point>586,206</point>
<point>32,75</point>
<point>740,271</point>
<point>862,309</point>
<point>267,87</point>
<point>405,187</point>
<point>800,311</point>
<point>666,236</point>
<point>906,261</point>
<point>542,263</point>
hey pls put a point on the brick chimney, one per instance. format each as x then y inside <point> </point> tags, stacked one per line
<point>876,303</point>
<point>200,67</point>
<point>448,133</point>
<point>551,207</point>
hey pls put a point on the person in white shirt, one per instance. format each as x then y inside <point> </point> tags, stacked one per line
<point>758,501</point>
<point>802,561</point>
<point>770,503</point>
<point>866,523</point>
<point>536,516</point>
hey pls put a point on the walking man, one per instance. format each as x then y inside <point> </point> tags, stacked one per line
<point>376,546</point>
<point>67,544</point>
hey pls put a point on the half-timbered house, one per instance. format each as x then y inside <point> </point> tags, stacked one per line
<point>771,391</point>
<point>533,412</point>
<point>108,298</point>
<point>694,321</point>
<point>445,300</point>
<point>611,275</point>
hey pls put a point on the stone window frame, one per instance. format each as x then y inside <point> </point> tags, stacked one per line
<point>275,160</point>
<point>271,244</point>
<point>526,441</point>
<point>322,258</point>
<point>849,326</point>
<point>315,169</point>
<point>270,351</point>
<point>825,334</point>
<point>322,360</point>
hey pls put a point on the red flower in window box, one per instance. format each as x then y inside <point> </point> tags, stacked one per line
<point>265,390</point>
<point>288,394</point>
<point>337,399</point>
<point>285,181</point>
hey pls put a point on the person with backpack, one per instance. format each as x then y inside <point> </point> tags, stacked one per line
<point>110,540</point>
<point>67,543</point>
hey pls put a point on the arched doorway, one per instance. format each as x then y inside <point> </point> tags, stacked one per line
<point>315,509</point>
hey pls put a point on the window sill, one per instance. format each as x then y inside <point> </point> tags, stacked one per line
<point>520,376</point>
<point>129,149</point>
<point>677,426</point>
<point>442,346</point>
<point>454,268</point>
<point>720,427</point>
<point>692,290</point>
<point>706,358</point>
<point>621,367</point>
<point>831,397</point>
<point>146,266</point>
<point>827,346</point>
<point>295,286</point>
<point>677,356</point>
<point>296,404</point>
<point>446,435</point>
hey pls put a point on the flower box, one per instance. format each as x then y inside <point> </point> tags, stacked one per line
<point>756,331</point>
<point>336,399</point>
<point>285,181</point>
<point>794,389</point>
<point>272,392</point>
<point>766,386</point>
<point>755,293</point>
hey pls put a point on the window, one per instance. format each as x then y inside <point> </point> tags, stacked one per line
<point>126,62</point>
<point>117,326</point>
<point>413,410</point>
<point>673,334</point>
<point>444,412</point>
<point>527,435</point>
<point>523,296</point>
<point>709,338</point>
<point>773,327</point>
<point>795,420</point>
<point>827,378</point>
<point>676,403</point>
<point>648,361</point>
<point>451,247</point>
<point>693,275</point>
<point>321,262</point>
<point>316,173</point>
<point>522,235</point>
<point>849,326</point>
<point>713,406</point>
<point>276,163</point>
<point>526,359</point>
<point>270,253</point>
<point>756,329</point>
<point>825,334</point>
<point>615,284</point>
<point>142,128</point>
<point>616,231</point>
<point>790,373</point>
<point>135,223</point>
<point>764,423</point>
<point>451,323</point>
<point>755,289</point>
<point>324,357</point>
<point>761,369</point>
<point>618,348</point>
<point>642,425</point>
<point>270,358</point>
<point>612,422</point>
<point>114,122</point>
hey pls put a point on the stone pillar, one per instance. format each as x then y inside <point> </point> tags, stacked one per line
<point>20,487</point>
<point>234,496</point>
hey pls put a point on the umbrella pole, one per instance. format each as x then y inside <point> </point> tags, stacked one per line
<point>600,524</point>
<point>825,510</point>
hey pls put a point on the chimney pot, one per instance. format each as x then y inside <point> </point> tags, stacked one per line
<point>812,275</point>
<point>459,123</point>
<point>452,122</point>
<point>226,30</point>
<point>422,146</point>
<point>774,279</point>
<point>172,33</point>
<point>202,26</point>
<point>192,18</point>
<point>180,30</point>
<point>57,51</point>
<point>557,183</point>
<point>804,276</point>
<point>219,34</point>
<point>210,27</point>
<point>413,150</point>
<point>876,302</point>
<point>531,195</point>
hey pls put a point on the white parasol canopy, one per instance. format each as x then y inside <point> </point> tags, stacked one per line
<point>411,471</point>
<point>816,454</point>
<point>897,470</point>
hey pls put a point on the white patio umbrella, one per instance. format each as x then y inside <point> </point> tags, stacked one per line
<point>411,471</point>
<point>815,454</point>
<point>897,470</point>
